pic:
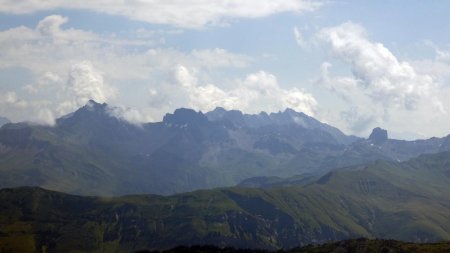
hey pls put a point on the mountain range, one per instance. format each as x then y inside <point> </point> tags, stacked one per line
<point>92,152</point>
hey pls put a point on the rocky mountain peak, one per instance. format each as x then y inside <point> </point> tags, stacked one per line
<point>88,114</point>
<point>93,106</point>
<point>216,114</point>
<point>378,135</point>
<point>184,116</point>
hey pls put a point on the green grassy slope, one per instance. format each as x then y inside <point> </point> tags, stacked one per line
<point>405,201</point>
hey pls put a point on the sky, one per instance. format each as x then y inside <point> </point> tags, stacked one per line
<point>355,65</point>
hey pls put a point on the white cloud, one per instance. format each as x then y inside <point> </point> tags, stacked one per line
<point>263,93</point>
<point>52,48</point>
<point>182,13</point>
<point>132,115</point>
<point>382,90</point>
<point>299,101</point>
<point>259,91</point>
<point>86,83</point>
<point>376,70</point>
<point>72,66</point>
<point>205,97</point>
<point>361,113</point>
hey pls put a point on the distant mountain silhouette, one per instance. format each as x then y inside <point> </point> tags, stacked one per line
<point>378,135</point>
<point>90,151</point>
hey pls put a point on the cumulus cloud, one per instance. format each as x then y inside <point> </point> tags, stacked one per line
<point>382,89</point>
<point>182,13</point>
<point>262,92</point>
<point>360,114</point>
<point>132,115</point>
<point>71,66</point>
<point>205,97</point>
<point>259,91</point>
<point>86,83</point>
<point>376,70</point>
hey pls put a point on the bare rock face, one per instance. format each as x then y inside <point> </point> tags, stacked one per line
<point>378,135</point>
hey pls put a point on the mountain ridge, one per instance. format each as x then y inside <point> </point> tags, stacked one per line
<point>92,152</point>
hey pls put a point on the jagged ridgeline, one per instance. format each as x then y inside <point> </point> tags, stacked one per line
<point>406,201</point>
<point>92,152</point>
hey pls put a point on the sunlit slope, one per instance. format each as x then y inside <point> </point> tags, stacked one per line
<point>404,201</point>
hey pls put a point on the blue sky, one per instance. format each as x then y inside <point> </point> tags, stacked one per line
<point>353,64</point>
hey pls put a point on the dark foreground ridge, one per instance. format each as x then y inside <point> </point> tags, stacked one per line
<point>360,245</point>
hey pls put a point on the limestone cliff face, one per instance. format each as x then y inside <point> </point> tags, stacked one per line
<point>378,135</point>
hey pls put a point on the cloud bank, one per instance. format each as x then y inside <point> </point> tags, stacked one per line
<point>181,13</point>
<point>72,66</point>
